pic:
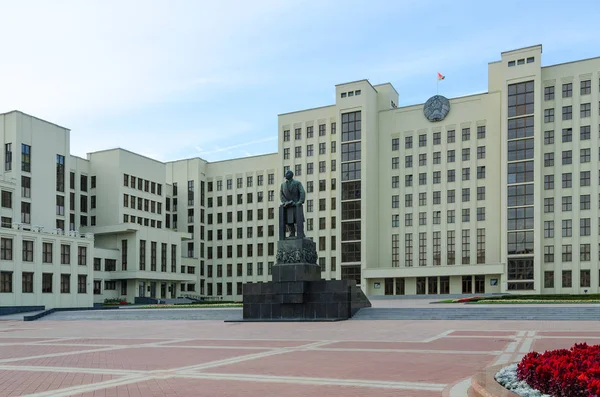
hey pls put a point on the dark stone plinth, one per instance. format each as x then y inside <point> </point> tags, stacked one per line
<point>313,300</point>
<point>296,250</point>
<point>296,272</point>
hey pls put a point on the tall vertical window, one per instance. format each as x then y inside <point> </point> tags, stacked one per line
<point>65,254</point>
<point>395,250</point>
<point>46,252</point>
<point>466,247</point>
<point>7,156</point>
<point>25,158</point>
<point>27,251</point>
<point>60,173</point>
<point>408,246</point>
<point>60,205</point>
<point>153,256</point>
<point>82,256</point>
<point>480,246</point>
<point>142,254</point>
<point>190,192</point>
<point>6,249</point>
<point>25,186</point>
<point>25,212</point>
<point>124,255</point>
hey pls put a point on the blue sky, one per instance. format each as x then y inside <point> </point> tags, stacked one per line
<point>176,79</point>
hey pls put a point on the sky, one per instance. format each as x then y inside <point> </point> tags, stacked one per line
<point>178,79</point>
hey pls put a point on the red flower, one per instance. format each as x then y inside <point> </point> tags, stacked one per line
<point>563,373</point>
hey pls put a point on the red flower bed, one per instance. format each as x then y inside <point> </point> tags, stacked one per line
<point>469,299</point>
<point>563,373</point>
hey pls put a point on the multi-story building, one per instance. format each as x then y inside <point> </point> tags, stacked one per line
<point>450,196</point>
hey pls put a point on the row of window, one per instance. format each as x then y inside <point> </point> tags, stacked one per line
<point>437,157</point>
<point>520,61</point>
<point>228,235</point>
<point>153,255</point>
<point>25,157</point>
<point>567,278</point>
<point>585,110</point>
<point>567,135</point>
<point>27,286</point>
<point>585,228</point>
<point>6,252</point>
<point>585,253</point>
<point>437,217</point>
<point>143,221</point>
<point>567,203</point>
<point>309,131</point>
<point>585,88</point>
<point>322,204</point>
<point>437,248</point>
<point>309,150</point>
<point>437,197</point>
<point>239,216</point>
<point>142,184</point>
<point>142,204</point>
<point>567,180</point>
<point>437,177</point>
<point>260,196</point>
<point>429,285</point>
<point>437,138</point>
<point>585,156</point>
<point>260,180</point>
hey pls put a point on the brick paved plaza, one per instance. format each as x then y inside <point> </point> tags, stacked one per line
<point>210,358</point>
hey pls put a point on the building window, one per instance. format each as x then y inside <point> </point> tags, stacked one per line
<point>7,156</point>
<point>567,281</point>
<point>585,87</point>
<point>466,134</point>
<point>65,283</point>
<point>82,256</point>
<point>548,137</point>
<point>27,251</point>
<point>520,99</point>
<point>47,282</point>
<point>25,158</point>
<point>548,115</point>
<point>25,212</point>
<point>6,199</point>
<point>567,112</point>
<point>25,186</point>
<point>549,93</point>
<point>567,90</point>
<point>27,285</point>
<point>47,253</point>
<point>585,110</point>
<point>351,126</point>
<point>82,284</point>
<point>65,254</point>
<point>6,282</point>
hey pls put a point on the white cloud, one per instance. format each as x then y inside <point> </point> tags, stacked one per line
<point>236,146</point>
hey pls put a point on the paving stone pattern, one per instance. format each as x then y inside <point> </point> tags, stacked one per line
<point>157,358</point>
<point>587,312</point>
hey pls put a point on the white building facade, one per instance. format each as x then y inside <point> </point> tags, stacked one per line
<point>486,193</point>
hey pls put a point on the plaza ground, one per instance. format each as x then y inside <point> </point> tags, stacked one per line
<point>151,358</point>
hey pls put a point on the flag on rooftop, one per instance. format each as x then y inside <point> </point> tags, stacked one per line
<point>440,76</point>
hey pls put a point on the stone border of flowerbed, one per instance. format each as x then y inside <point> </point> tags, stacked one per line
<point>483,383</point>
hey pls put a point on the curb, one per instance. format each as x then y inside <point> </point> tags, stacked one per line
<point>483,383</point>
<point>64,309</point>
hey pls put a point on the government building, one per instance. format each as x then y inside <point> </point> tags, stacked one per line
<point>487,193</point>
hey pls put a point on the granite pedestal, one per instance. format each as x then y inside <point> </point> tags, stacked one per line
<point>297,292</point>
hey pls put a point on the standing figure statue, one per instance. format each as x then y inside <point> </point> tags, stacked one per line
<point>291,215</point>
